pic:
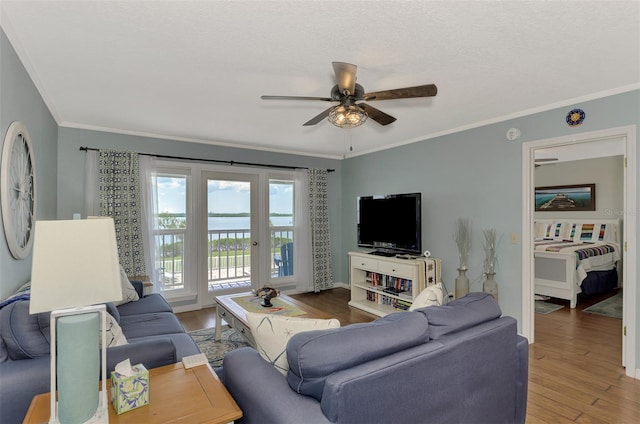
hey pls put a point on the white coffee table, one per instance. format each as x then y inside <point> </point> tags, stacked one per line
<point>235,315</point>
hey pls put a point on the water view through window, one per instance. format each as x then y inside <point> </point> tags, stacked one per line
<point>229,241</point>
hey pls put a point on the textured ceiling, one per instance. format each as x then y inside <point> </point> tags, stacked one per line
<point>195,70</point>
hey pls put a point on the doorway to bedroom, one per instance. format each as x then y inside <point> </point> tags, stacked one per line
<point>616,198</point>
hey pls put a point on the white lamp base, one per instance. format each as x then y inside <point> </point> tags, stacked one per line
<point>75,365</point>
<point>101,416</point>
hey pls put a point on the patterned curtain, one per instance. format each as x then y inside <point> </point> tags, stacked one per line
<point>319,222</point>
<point>119,193</point>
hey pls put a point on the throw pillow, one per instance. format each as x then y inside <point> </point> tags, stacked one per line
<point>431,296</point>
<point>129,293</point>
<point>588,231</point>
<point>115,337</point>
<point>272,333</point>
<point>23,293</point>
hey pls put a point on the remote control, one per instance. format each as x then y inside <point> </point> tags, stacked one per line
<point>194,360</point>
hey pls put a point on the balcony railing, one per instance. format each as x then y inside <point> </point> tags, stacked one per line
<point>228,255</point>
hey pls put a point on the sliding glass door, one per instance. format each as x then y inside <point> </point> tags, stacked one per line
<point>231,225</point>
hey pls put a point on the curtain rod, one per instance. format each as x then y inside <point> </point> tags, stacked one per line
<point>228,162</point>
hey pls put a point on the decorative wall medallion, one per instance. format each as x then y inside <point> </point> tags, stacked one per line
<point>18,190</point>
<point>575,117</point>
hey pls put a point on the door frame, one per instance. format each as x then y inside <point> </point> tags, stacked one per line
<point>255,210</point>
<point>629,234</point>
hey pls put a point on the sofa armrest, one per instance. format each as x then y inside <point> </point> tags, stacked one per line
<point>151,353</point>
<point>522,381</point>
<point>139,287</point>
<point>20,381</point>
<point>263,393</point>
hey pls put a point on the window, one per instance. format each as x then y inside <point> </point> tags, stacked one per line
<point>210,239</point>
<point>171,229</point>
<point>281,226</point>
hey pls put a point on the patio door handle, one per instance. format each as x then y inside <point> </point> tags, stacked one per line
<point>255,243</point>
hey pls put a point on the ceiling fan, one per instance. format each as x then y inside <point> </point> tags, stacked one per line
<point>348,113</point>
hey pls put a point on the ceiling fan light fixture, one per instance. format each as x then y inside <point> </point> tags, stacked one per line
<point>349,116</point>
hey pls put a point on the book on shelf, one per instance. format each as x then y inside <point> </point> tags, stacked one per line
<point>393,290</point>
<point>406,296</point>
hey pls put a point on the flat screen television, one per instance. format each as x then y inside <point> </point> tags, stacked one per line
<point>391,224</point>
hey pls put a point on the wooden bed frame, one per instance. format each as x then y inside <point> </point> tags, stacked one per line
<point>555,273</point>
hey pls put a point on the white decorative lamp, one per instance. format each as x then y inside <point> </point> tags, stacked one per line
<point>75,265</point>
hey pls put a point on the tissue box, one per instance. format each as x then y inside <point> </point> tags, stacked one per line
<point>130,392</point>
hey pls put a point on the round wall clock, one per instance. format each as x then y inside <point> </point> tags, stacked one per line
<point>18,190</point>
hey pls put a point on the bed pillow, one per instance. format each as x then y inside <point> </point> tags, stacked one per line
<point>272,333</point>
<point>539,229</point>
<point>587,232</point>
<point>557,231</point>
<point>608,232</point>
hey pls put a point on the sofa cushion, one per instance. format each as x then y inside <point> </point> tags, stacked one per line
<point>315,355</point>
<point>150,303</point>
<point>183,344</point>
<point>152,324</point>
<point>460,314</point>
<point>26,336</point>
<point>272,332</point>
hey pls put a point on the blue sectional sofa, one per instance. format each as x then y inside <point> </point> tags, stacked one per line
<point>155,338</point>
<point>459,363</point>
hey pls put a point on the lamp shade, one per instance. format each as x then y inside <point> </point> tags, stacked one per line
<point>75,263</point>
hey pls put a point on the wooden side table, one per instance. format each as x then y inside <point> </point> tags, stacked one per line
<point>176,395</point>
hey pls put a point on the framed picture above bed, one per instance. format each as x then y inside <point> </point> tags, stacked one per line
<point>567,198</point>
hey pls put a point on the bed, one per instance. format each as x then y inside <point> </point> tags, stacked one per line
<point>576,256</point>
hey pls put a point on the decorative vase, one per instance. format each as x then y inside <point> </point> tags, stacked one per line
<point>490,286</point>
<point>462,283</point>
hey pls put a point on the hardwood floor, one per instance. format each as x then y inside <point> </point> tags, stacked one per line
<point>575,374</point>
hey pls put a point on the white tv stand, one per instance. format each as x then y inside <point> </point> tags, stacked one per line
<point>370,275</point>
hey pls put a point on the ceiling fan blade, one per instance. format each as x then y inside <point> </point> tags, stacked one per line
<point>376,114</point>
<point>345,76</point>
<point>325,99</point>
<point>428,90</point>
<point>318,118</point>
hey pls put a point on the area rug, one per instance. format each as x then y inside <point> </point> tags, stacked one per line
<point>545,308</point>
<point>215,350</point>
<point>610,307</point>
<point>280,307</point>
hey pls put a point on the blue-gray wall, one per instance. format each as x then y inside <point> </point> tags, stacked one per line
<point>21,101</point>
<point>475,174</point>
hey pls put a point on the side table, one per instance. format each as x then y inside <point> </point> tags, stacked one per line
<point>176,395</point>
